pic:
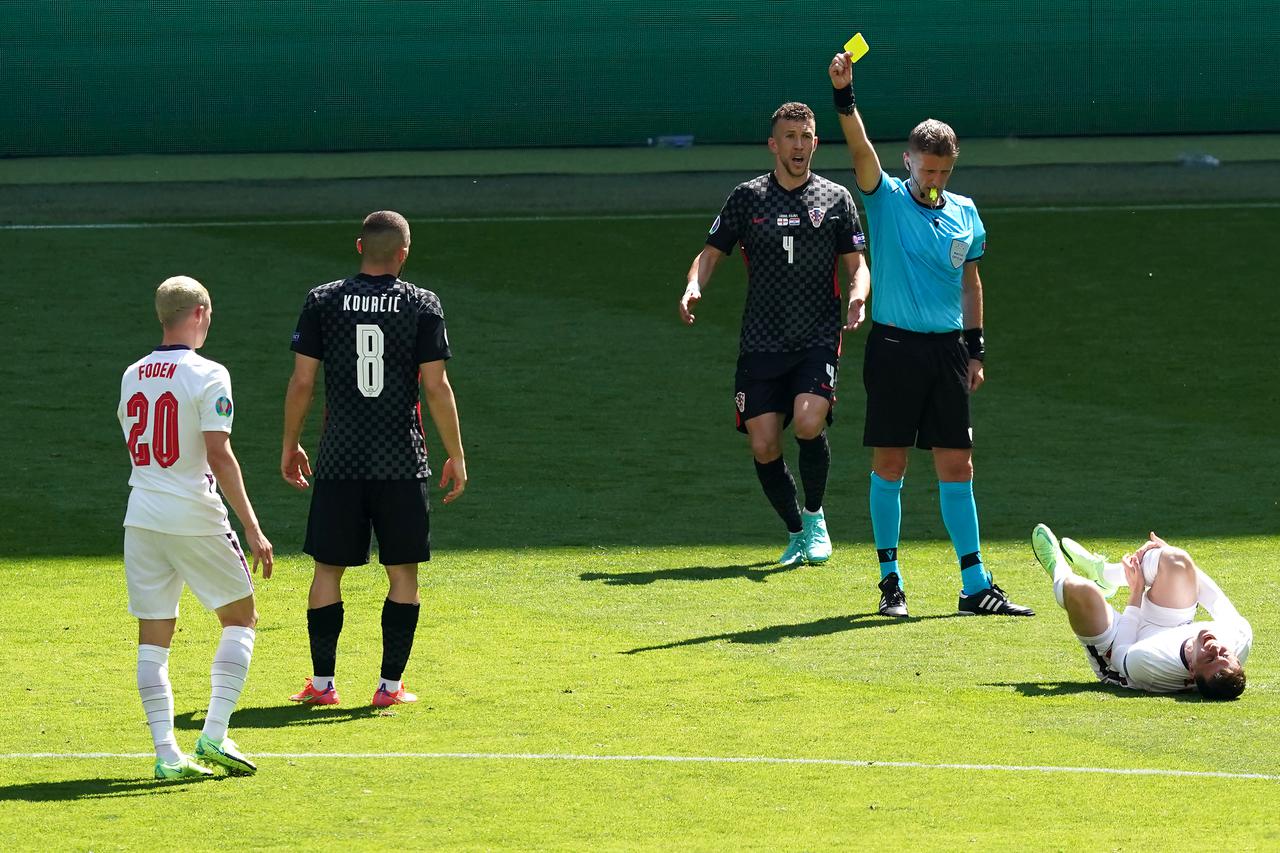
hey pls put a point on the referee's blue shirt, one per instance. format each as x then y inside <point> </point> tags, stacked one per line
<point>918,256</point>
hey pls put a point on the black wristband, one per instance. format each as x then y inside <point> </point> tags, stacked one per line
<point>976,344</point>
<point>843,99</point>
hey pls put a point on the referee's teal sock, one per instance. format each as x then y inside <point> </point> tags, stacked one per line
<point>960,515</point>
<point>886,522</point>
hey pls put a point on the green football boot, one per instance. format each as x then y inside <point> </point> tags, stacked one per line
<point>225,754</point>
<point>1047,550</point>
<point>1089,565</point>
<point>184,768</point>
<point>795,550</point>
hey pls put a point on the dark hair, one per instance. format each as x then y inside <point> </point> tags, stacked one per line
<point>934,137</point>
<point>791,111</point>
<point>1226,685</point>
<point>384,232</point>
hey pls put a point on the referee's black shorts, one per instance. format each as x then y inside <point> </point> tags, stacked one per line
<point>917,389</point>
<point>344,512</point>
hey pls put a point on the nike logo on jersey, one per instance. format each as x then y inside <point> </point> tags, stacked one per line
<point>758,220</point>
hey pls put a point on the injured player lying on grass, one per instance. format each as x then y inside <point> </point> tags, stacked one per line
<point>1154,645</point>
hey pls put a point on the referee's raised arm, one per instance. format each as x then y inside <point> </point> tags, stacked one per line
<point>866,165</point>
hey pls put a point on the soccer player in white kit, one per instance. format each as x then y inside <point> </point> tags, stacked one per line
<point>1155,645</point>
<point>176,412</point>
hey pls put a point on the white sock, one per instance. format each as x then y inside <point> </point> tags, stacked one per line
<point>321,682</point>
<point>157,699</point>
<point>389,686</point>
<point>230,668</point>
<point>1114,572</point>
<point>1151,565</point>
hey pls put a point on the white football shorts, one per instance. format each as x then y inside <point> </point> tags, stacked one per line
<point>1154,619</point>
<point>156,565</point>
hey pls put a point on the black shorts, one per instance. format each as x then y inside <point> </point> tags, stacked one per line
<point>343,512</point>
<point>917,389</point>
<point>771,381</point>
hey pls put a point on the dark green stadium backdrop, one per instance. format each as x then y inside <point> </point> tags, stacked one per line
<point>114,77</point>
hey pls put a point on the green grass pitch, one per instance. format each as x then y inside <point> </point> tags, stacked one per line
<point>604,587</point>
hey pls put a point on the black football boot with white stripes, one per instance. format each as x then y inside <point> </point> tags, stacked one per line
<point>990,602</point>
<point>893,601</point>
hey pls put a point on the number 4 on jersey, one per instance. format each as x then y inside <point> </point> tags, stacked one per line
<point>789,246</point>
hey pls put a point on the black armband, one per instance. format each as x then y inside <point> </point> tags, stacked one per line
<point>843,99</point>
<point>976,344</point>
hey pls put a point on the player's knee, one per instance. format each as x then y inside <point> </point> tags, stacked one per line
<point>809,427</point>
<point>1078,592</point>
<point>239,618</point>
<point>1176,562</point>
<point>765,449</point>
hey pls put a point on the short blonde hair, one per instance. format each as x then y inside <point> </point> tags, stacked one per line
<point>176,297</point>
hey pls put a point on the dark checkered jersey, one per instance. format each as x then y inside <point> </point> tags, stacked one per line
<point>371,333</point>
<point>791,241</point>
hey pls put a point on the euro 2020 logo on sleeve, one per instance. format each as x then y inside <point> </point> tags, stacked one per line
<point>223,406</point>
<point>959,248</point>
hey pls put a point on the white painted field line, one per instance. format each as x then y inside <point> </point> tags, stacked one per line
<point>690,759</point>
<point>614,217</point>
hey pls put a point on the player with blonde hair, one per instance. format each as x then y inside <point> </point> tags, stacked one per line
<point>176,412</point>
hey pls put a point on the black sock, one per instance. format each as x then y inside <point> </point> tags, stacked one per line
<point>399,621</point>
<point>780,489</point>
<point>324,624</point>
<point>815,462</point>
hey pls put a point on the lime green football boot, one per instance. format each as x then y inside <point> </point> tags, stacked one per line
<point>226,754</point>
<point>1089,565</point>
<point>1047,550</point>
<point>184,768</point>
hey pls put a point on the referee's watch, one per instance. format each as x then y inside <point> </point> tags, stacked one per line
<point>975,343</point>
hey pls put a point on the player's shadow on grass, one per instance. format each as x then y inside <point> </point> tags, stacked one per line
<point>278,717</point>
<point>1038,689</point>
<point>752,571</point>
<point>777,633</point>
<point>95,789</point>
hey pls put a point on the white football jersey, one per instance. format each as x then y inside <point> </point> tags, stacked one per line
<point>1155,663</point>
<point>168,400</point>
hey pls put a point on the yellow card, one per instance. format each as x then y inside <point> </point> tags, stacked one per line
<point>856,47</point>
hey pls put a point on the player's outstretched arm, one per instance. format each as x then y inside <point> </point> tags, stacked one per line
<point>226,469</point>
<point>444,414</point>
<point>866,165</point>
<point>295,467</point>
<point>700,272</point>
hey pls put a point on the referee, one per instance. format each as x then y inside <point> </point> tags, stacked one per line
<point>379,338</point>
<point>794,228</point>
<point>924,354</point>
